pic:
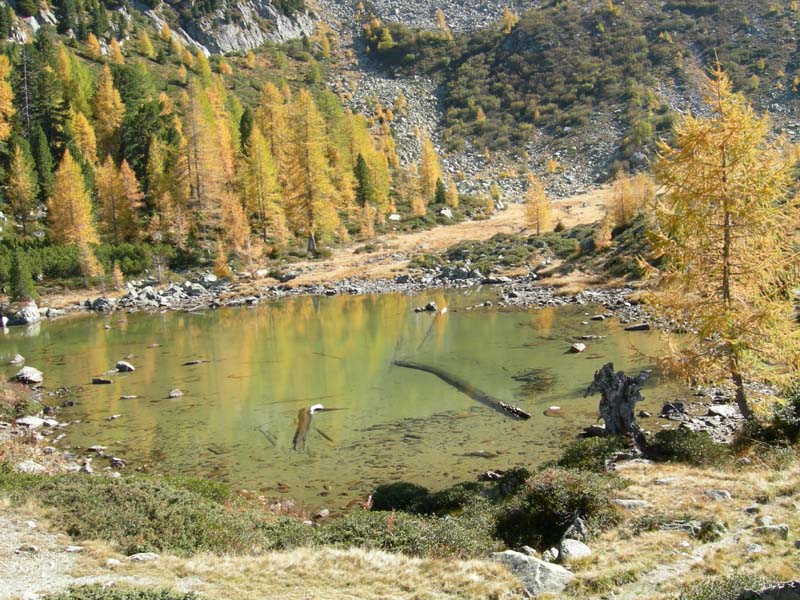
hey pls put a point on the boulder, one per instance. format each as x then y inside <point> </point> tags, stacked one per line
<point>577,348</point>
<point>26,315</point>
<point>17,360</point>
<point>143,557</point>
<point>727,411</point>
<point>103,305</point>
<point>537,576</point>
<point>778,531</point>
<point>570,550</point>
<point>784,591</point>
<point>638,327</point>
<point>29,466</point>
<point>579,530</point>
<point>175,393</point>
<point>395,217</point>
<point>101,381</point>
<point>30,375</point>
<point>718,495</point>
<point>125,367</point>
<point>30,422</point>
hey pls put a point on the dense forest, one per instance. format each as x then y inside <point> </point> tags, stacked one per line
<point>122,148</point>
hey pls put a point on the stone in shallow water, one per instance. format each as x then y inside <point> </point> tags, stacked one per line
<point>125,367</point>
<point>30,375</point>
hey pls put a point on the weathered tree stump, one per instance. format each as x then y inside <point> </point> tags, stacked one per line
<point>619,395</point>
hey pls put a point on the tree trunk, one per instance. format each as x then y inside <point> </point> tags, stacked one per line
<point>619,395</point>
<point>741,397</point>
<point>312,244</point>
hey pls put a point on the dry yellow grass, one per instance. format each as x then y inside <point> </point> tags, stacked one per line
<point>319,574</point>
<point>657,564</point>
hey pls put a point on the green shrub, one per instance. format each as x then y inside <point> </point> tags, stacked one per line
<point>551,501</point>
<point>401,495</point>
<point>724,588</point>
<point>591,454</point>
<point>413,498</point>
<point>690,447</point>
<point>98,592</point>
<point>141,514</point>
<point>463,537</point>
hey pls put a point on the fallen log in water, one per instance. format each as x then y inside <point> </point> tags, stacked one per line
<point>462,386</point>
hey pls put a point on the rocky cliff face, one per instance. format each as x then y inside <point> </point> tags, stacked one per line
<point>245,25</point>
<point>239,26</point>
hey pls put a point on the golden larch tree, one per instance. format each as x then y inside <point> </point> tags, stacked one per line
<point>21,191</point>
<point>115,52</point>
<point>85,139</point>
<point>109,112</point>
<point>430,171</point>
<point>145,45</point>
<point>6,99</point>
<point>510,19</point>
<point>452,193</point>
<point>310,190</point>
<point>69,207</point>
<point>262,190</point>
<point>726,234</point>
<point>93,46</point>
<point>271,119</point>
<point>119,198</point>
<point>537,205</point>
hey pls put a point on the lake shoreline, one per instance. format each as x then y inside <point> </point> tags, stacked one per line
<point>206,292</point>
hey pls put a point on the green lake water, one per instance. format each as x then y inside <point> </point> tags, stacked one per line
<point>237,419</point>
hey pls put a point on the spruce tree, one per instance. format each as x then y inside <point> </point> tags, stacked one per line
<point>365,194</point>
<point>22,287</point>
<point>440,196</point>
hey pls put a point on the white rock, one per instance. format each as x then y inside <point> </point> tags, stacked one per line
<point>17,360</point>
<point>718,494</point>
<point>630,504</point>
<point>30,375</point>
<point>73,549</point>
<point>30,422</point>
<point>537,576</point>
<point>113,562</point>
<point>28,466</point>
<point>577,348</point>
<point>143,557</point>
<point>573,550</point>
<point>125,367</point>
<point>394,217</point>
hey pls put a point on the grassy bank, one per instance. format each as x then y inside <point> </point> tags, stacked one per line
<point>695,534</point>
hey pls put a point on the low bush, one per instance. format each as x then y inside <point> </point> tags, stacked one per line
<point>463,536</point>
<point>145,514</point>
<point>401,495</point>
<point>591,454</point>
<point>724,588</point>
<point>689,447</point>
<point>98,592</point>
<point>551,501</point>
<point>16,401</point>
<point>413,498</point>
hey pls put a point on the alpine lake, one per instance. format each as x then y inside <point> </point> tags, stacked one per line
<point>256,371</point>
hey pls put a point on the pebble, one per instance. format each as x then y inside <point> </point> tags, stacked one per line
<point>718,495</point>
<point>143,557</point>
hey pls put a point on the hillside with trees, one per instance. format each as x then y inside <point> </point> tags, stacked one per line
<point>553,69</point>
<point>121,149</point>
